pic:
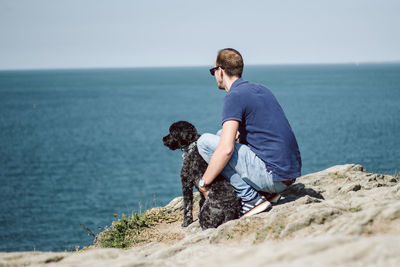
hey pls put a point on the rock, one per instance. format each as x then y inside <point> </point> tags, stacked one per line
<point>341,216</point>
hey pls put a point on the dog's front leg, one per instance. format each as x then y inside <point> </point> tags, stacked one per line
<point>187,191</point>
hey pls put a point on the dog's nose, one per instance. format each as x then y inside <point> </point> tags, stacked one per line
<point>165,140</point>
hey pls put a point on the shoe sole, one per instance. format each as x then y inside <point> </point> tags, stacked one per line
<point>258,209</point>
<point>275,198</point>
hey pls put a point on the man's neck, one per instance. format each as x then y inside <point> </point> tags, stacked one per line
<point>229,81</point>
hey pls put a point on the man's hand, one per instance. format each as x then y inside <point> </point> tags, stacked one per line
<point>204,191</point>
<point>237,138</point>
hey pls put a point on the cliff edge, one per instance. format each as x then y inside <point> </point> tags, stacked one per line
<point>342,216</point>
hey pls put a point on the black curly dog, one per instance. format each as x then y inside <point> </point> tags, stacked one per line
<point>222,203</point>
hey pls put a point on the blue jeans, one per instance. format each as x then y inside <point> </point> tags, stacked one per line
<point>245,171</point>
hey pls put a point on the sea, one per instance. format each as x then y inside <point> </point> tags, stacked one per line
<point>81,147</point>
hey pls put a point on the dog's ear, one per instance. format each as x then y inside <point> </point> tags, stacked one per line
<point>184,132</point>
<point>189,134</point>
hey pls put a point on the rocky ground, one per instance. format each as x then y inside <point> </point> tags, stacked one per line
<point>342,216</point>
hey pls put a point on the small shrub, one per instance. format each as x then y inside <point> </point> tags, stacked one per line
<point>126,231</point>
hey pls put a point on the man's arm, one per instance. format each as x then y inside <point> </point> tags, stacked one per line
<point>222,154</point>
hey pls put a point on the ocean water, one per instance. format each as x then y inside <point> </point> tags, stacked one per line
<point>77,146</point>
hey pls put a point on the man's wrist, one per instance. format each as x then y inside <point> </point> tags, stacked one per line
<point>202,182</point>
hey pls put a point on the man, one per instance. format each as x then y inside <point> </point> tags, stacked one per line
<point>257,151</point>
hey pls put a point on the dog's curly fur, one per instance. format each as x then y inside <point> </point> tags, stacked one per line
<point>222,203</point>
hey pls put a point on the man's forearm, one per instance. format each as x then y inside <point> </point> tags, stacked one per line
<point>217,163</point>
<point>223,152</point>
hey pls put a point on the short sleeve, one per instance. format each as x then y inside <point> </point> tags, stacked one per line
<point>232,108</point>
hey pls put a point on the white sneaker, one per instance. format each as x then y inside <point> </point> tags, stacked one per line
<point>255,206</point>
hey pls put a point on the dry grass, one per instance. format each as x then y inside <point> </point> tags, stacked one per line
<point>139,229</point>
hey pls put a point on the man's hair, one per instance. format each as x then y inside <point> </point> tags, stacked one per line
<point>231,61</point>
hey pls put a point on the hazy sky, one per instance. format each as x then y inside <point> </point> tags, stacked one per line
<point>130,33</point>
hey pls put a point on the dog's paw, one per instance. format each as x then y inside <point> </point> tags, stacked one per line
<point>186,223</point>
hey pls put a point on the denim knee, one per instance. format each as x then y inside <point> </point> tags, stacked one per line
<point>202,141</point>
<point>203,146</point>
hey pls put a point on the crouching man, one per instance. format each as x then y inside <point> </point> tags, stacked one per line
<point>264,158</point>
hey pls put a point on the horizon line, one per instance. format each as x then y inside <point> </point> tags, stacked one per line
<point>198,66</point>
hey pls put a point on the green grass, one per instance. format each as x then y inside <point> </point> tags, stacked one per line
<point>127,231</point>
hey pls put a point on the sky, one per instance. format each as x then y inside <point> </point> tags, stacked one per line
<point>46,34</point>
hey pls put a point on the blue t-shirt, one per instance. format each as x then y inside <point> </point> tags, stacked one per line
<point>263,127</point>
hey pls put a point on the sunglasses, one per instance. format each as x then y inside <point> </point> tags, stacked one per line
<point>213,70</point>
